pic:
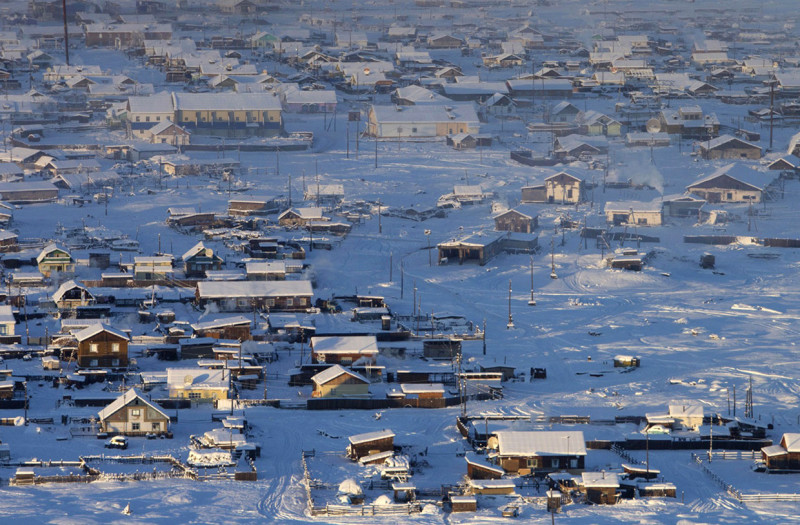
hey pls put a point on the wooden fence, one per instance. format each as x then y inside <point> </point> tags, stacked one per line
<point>395,509</point>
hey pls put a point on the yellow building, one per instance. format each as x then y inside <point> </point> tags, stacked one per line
<point>233,114</point>
<point>200,384</point>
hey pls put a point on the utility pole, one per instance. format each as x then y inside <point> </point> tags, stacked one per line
<point>484,336</point>
<point>376,151</point>
<point>428,235</point>
<point>510,324</point>
<point>771,113</point>
<point>66,33</point>
<point>532,301</point>
<point>380,226</point>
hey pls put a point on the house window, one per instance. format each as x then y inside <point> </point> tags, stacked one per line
<point>156,426</point>
<point>641,220</point>
<point>194,395</point>
<point>136,412</point>
<point>555,463</point>
<point>115,362</point>
<point>158,118</point>
<point>289,302</point>
<point>147,119</point>
<point>532,463</point>
<point>135,426</point>
<point>138,119</point>
<point>115,347</point>
<point>94,348</point>
<point>413,130</point>
<point>93,362</point>
<point>3,329</point>
<point>270,302</point>
<point>569,194</point>
<point>729,196</point>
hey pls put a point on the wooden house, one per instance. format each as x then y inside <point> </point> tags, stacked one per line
<point>683,206</point>
<point>28,192</point>
<point>167,132</point>
<point>336,381</point>
<point>729,147</point>
<point>54,259</point>
<point>564,112</point>
<point>600,487</point>
<point>243,296</point>
<point>422,390</point>
<point>345,350</point>
<point>529,452</point>
<point>596,123</point>
<point>785,455</point>
<point>235,328</point>
<point>301,216</point>
<point>461,141</point>
<point>686,416</point>
<point>102,346</point>
<point>441,348</point>
<point>152,268</point>
<point>329,195</point>
<point>634,213</point>
<point>444,41</point>
<point>731,184</point>
<point>244,206</point>
<point>790,163</point>
<point>492,487</point>
<point>516,220</point>
<point>370,443</point>
<point>7,325</point>
<point>132,414</point>
<point>199,259</point>
<point>480,248</point>
<point>71,295</point>
<point>463,504</point>
<point>266,270</point>
<point>689,122</point>
<point>562,188</point>
<point>503,60</point>
<point>479,468</point>
<point>422,120</point>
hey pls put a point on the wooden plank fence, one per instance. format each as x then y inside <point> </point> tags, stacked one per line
<point>395,509</point>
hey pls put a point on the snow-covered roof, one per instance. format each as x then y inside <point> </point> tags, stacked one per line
<point>599,479</point>
<point>229,102</point>
<point>371,436</point>
<point>792,442</point>
<point>221,322</point>
<point>335,371</point>
<point>95,329</point>
<point>67,286</point>
<point>422,388</point>
<point>225,289</point>
<point>124,400</point>
<point>541,443</point>
<point>362,344</point>
<point>724,139</point>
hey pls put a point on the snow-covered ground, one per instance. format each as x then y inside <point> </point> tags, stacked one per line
<point>700,333</point>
